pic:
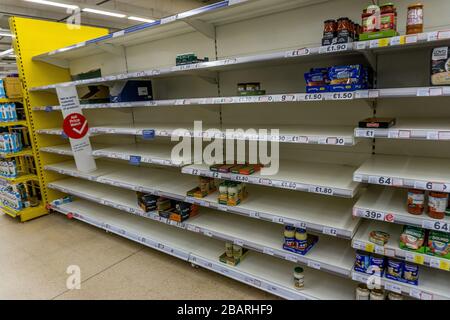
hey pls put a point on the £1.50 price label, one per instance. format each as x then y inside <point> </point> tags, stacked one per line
<point>343,96</point>
<point>314,97</point>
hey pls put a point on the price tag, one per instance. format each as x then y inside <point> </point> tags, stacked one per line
<point>443,35</point>
<point>374,94</point>
<point>118,34</point>
<point>298,53</point>
<point>300,139</point>
<point>207,233</point>
<point>384,181</point>
<point>415,293</point>
<point>193,228</point>
<point>444,135</point>
<point>314,265</point>
<point>314,97</point>
<point>335,141</point>
<point>393,287</point>
<point>321,190</point>
<point>404,134</point>
<point>423,92</point>
<point>365,133</point>
<point>436,225</point>
<point>361,45</point>
<point>330,231</point>
<point>436,92</point>
<point>396,41</point>
<point>254,214</point>
<point>393,134</point>
<point>169,19</point>
<point>291,258</point>
<point>374,44</point>
<point>379,250</point>
<point>432,135</point>
<point>411,257</point>
<point>268,251</point>
<point>411,39</point>
<point>431,186</point>
<point>343,96</point>
<point>276,219</point>
<point>334,48</point>
<point>426,296</point>
<point>370,247</point>
<point>444,265</point>
<point>135,160</point>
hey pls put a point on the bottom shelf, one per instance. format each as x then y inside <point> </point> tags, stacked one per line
<point>258,270</point>
<point>25,214</point>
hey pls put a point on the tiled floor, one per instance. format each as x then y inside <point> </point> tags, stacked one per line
<point>34,257</point>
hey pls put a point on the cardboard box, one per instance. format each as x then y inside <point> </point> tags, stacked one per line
<point>13,87</point>
<point>93,94</point>
<point>130,91</point>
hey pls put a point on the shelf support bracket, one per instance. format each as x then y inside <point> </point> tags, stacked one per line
<point>204,28</point>
<point>62,63</point>
<point>115,50</point>
<point>371,58</point>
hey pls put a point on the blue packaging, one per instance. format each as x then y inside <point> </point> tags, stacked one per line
<point>3,115</point>
<point>362,263</point>
<point>317,89</point>
<point>346,72</point>
<point>2,90</point>
<point>12,112</point>
<point>132,90</point>
<point>377,265</point>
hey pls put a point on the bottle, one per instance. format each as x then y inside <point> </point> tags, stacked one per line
<point>414,22</point>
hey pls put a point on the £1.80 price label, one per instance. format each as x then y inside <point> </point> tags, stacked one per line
<point>322,190</point>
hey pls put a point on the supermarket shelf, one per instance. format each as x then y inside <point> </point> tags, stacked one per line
<point>392,249</point>
<point>25,214</point>
<point>330,255</point>
<point>21,123</point>
<point>25,152</point>
<point>389,205</point>
<point>19,179</point>
<point>329,135</point>
<point>139,153</point>
<point>8,100</point>
<point>258,270</point>
<point>66,149</point>
<point>151,154</point>
<point>414,129</point>
<point>366,48</point>
<point>422,173</point>
<point>309,211</point>
<point>274,98</point>
<point>319,178</point>
<point>433,284</point>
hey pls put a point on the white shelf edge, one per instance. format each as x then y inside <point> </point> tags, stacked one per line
<point>223,269</point>
<point>404,134</point>
<point>290,185</point>
<point>422,221</point>
<point>186,225</point>
<point>273,98</point>
<point>328,140</point>
<point>327,230</point>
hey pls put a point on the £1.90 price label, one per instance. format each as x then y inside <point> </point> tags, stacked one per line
<point>334,48</point>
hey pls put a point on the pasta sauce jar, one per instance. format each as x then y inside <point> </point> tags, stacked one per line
<point>416,201</point>
<point>415,19</point>
<point>437,205</point>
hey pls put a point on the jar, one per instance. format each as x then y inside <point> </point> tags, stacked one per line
<point>437,205</point>
<point>289,236</point>
<point>362,292</point>
<point>388,17</point>
<point>301,238</point>
<point>242,87</point>
<point>343,24</point>
<point>415,19</point>
<point>223,193</point>
<point>416,201</point>
<point>371,19</point>
<point>329,27</point>
<point>299,278</point>
<point>253,87</point>
<point>237,252</point>
<point>229,249</point>
<point>377,294</point>
<point>233,195</point>
<point>395,296</point>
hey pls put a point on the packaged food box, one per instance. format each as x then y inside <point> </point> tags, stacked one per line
<point>378,35</point>
<point>306,246</point>
<point>147,202</point>
<point>402,272</point>
<point>232,261</point>
<point>440,66</point>
<point>131,90</point>
<point>438,244</point>
<point>413,239</point>
<point>377,123</point>
<point>13,87</point>
<point>93,94</point>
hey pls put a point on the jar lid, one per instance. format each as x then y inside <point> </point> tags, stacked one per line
<point>387,4</point>
<point>299,270</point>
<point>330,21</point>
<point>415,5</point>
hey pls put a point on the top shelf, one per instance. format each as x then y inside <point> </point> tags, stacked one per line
<point>366,48</point>
<point>202,19</point>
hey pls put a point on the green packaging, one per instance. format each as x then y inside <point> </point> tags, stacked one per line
<point>413,239</point>
<point>438,244</point>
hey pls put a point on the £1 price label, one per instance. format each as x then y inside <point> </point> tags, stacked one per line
<point>298,53</point>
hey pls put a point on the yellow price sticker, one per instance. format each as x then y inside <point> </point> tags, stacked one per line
<point>384,42</point>
<point>370,247</point>
<point>445,265</point>
<point>419,259</point>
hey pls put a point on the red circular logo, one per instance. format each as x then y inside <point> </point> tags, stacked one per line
<point>389,218</point>
<point>75,126</point>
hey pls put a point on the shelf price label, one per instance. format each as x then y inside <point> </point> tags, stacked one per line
<point>314,265</point>
<point>374,215</point>
<point>298,53</point>
<point>440,264</point>
<point>334,48</point>
<point>436,225</point>
<point>135,160</point>
<point>431,186</point>
<point>384,181</point>
<point>343,96</point>
<point>330,231</point>
<point>268,251</point>
<point>313,97</point>
<point>321,190</point>
<point>393,287</point>
<point>415,258</point>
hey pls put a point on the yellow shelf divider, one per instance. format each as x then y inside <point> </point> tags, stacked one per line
<point>32,37</point>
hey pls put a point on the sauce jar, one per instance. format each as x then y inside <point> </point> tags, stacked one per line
<point>437,205</point>
<point>395,296</point>
<point>362,292</point>
<point>343,24</point>
<point>299,278</point>
<point>371,19</point>
<point>416,201</point>
<point>377,294</point>
<point>229,249</point>
<point>415,19</point>
<point>388,17</point>
<point>289,236</point>
<point>329,27</point>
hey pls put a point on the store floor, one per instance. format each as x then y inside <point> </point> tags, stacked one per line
<point>34,257</point>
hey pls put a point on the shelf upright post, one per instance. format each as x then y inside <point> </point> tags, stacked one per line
<point>32,37</point>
